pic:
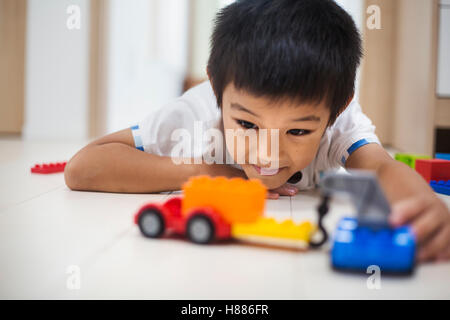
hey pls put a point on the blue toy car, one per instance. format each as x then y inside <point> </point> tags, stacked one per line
<point>367,239</point>
<point>357,247</point>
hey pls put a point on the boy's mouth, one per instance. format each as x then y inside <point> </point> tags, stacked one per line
<point>266,171</point>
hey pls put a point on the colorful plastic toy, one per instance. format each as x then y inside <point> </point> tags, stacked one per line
<point>47,168</point>
<point>357,247</point>
<point>442,156</point>
<point>433,169</point>
<point>410,158</point>
<point>441,186</point>
<point>436,172</point>
<point>220,208</point>
<point>367,239</point>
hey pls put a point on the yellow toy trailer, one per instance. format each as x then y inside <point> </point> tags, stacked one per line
<point>220,208</point>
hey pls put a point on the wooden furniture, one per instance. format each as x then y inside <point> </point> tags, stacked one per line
<point>399,75</point>
<point>12,65</point>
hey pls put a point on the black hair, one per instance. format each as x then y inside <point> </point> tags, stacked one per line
<point>306,50</point>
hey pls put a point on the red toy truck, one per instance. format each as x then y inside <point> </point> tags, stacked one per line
<point>219,208</point>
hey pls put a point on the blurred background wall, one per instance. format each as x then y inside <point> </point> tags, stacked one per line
<point>60,80</point>
<point>57,71</point>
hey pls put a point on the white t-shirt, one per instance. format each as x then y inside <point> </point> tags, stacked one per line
<point>196,111</point>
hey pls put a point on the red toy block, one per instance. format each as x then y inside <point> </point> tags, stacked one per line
<point>47,168</point>
<point>433,169</point>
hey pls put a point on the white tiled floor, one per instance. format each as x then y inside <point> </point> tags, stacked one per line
<point>45,228</point>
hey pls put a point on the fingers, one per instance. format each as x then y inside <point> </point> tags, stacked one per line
<point>437,247</point>
<point>427,224</point>
<point>431,229</point>
<point>284,190</point>
<point>444,255</point>
<point>406,210</point>
<point>272,195</point>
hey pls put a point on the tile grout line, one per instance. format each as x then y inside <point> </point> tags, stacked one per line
<point>9,206</point>
<point>88,261</point>
<point>29,199</point>
<point>91,259</point>
<point>290,206</point>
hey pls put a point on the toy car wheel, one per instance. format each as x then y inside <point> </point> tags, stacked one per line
<point>200,229</point>
<point>151,223</point>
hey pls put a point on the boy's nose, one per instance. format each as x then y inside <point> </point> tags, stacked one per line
<point>268,149</point>
<point>268,164</point>
<point>267,161</point>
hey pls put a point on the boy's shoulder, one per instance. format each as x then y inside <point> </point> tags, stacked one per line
<point>158,132</point>
<point>351,130</point>
<point>201,100</point>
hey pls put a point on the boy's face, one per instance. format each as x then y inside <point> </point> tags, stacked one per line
<point>300,129</point>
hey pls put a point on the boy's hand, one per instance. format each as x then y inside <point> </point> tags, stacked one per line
<point>429,218</point>
<point>285,190</point>
<point>413,201</point>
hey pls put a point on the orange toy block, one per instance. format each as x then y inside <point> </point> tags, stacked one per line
<point>236,200</point>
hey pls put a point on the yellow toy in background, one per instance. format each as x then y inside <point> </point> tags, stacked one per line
<point>270,231</point>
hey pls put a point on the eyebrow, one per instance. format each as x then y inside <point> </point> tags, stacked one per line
<point>308,118</point>
<point>237,106</point>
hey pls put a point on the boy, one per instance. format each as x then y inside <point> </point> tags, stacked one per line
<point>287,67</point>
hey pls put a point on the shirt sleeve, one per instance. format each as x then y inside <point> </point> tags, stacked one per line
<point>161,130</point>
<point>153,134</point>
<point>352,130</point>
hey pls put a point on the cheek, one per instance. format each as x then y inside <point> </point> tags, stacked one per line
<point>303,153</point>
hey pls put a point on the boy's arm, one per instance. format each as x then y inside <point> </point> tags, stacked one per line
<point>413,200</point>
<point>113,164</point>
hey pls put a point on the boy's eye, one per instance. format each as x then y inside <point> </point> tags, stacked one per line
<point>246,125</point>
<point>299,132</point>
